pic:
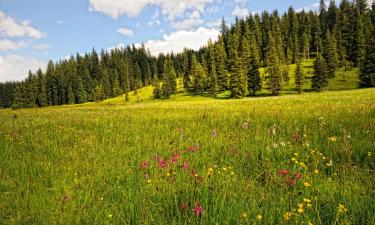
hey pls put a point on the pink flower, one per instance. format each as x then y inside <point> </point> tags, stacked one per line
<point>145,164</point>
<point>298,176</point>
<point>283,172</point>
<point>162,163</point>
<point>185,165</point>
<point>175,158</point>
<point>193,149</point>
<point>292,182</point>
<point>198,209</point>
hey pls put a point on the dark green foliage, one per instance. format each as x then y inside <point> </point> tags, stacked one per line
<point>367,75</point>
<point>71,99</point>
<point>299,77</point>
<point>330,54</point>
<point>320,77</point>
<point>274,69</point>
<point>169,85</point>
<point>198,75</point>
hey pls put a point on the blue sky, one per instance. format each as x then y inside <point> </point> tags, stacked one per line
<point>34,31</point>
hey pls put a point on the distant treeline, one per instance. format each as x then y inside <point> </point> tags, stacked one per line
<point>336,36</point>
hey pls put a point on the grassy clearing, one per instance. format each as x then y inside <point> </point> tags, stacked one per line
<point>155,161</point>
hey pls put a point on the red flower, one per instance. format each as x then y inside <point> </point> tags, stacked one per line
<point>292,182</point>
<point>283,172</point>
<point>175,158</point>
<point>185,165</point>
<point>298,176</point>
<point>198,209</point>
<point>145,164</point>
<point>194,173</point>
<point>162,163</point>
<point>184,206</point>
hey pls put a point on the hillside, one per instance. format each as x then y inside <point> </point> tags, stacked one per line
<point>155,161</point>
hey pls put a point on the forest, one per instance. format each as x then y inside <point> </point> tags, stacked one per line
<point>338,35</point>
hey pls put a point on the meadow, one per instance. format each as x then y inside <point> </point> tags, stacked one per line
<point>295,159</point>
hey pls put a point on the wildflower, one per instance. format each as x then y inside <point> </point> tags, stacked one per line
<point>300,209</point>
<point>298,176</point>
<point>310,223</point>
<point>66,198</point>
<point>341,208</point>
<point>309,205</point>
<point>292,182</point>
<point>287,216</point>
<point>185,165</point>
<point>302,164</point>
<point>294,159</point>
<point>259,217</point>
<point>232,173</point>
<point>245,125</point>
<point>225,168</point>
<point>244,215</point>
<point>296,154</point>
<point>316,171</point>
<point>272,131</point>
<point>162,163</point>
<point>330,163</point>
<point>175,158</point>
<point>184,206</point>
<point>145,164</point>
<point>110,216</point>
<point>306,184</point>
<point>283,172</point>
<point>149,181</point>
<point>198,209</point>
<point>210,171</point>
<point>369,154</point>
<point>332,139</point>
<point>194,173</point>
<point>306,200</point>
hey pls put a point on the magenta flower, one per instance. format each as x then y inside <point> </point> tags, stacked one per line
<point>162,163</point>
<point>175,158</point>
<point>198,209</point>
<point>185,165</point>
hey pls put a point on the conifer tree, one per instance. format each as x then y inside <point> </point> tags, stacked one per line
<point>367,75</point>
<point>41,99</point>
<point>99,93</point>
<point>169,85</point>
<point>299,77</point>
<point>274,69</point>
<point>81,95</point>
<point>330,54</point>
<point>238,84</point>
<point>71,99</point>
<point>221,68</point>
<point>198,76</point>
<point>320,76</point>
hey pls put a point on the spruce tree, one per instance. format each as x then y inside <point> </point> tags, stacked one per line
<point>221,65</point>
<point>274,69</point>
<point>320,76</point>
<point>299,77</point>
<point>330,54</point>
<point>253,74</point>
<point>198,76</point>
<point>367,74</point>
<point>71,99</point>
<point>238,84</point>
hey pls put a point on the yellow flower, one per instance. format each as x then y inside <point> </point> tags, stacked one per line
<point>369,154</point>
<point>309,205</point>
<point>294,159</point>
<point>307,200</point>
<point>316,171</point>
<point>225,169</point>
<point>287,216</point>
<point>148,180</point>
<point>300,210</point>
<point>244,215</point>
<point>168,174</point>
<point>232,173</point>
<point>306,184</point>
<point>296,154</point>
<point>341,208</point>
<point>110,216</point>
<point>310,223</point>
<point>332,139</point>
<point>302,164</point>
<point>259,217</point>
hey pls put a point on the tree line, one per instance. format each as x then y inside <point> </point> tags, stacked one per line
<point>336,36</point>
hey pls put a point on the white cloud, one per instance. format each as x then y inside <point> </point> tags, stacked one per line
<point>125,31</point>
<point>12,28</point>
<point>15,67</point>
<point>240,12</point>
<point>154,20</point>
<point>6,44</point>
<point>41,47</point>
<point>193,20</point>
<point>132,8</point>
<point>215,23</point>
<point>177,41</point>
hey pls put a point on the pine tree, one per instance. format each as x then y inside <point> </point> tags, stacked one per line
<point>198,76</point>
<point>71,99</point>
<point>299,77</point>
<point>274,69</point>
<point>213,82</point>
<point>330,54</point>
<point>99,93</point>
<point>320,76</point>
<point>238,84</point>
<point>367,75</point>
<point>81,95</point>
<point>169,85</point>
<point>116,88</point>
<point>41,99</point>
<point>253,75</point>
<point>221,68</point>
<point>186,70</point>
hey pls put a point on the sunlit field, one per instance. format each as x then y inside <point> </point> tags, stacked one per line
<point>297,159</point>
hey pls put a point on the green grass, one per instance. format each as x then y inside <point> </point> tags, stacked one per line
<point>81,164</point>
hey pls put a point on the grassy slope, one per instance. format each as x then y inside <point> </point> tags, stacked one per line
<point>80,164</point>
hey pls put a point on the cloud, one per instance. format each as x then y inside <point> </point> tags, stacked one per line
<point>15,67</point>
<point>240,12</point>
<point>154,20</point>
<point>12,28</point>
<point>132,8</point>
<point>193,20</point>
<point>6,44</point>
<point>41,47</point>
<point>177,41</point>
<point>125,31</point>
<point>215,23</point>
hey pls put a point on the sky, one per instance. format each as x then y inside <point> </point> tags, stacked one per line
<point>32,32</point>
